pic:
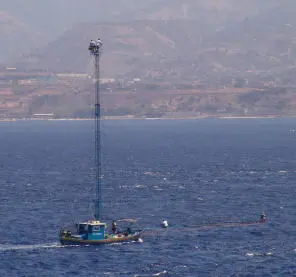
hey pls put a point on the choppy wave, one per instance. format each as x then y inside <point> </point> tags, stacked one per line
<point>227,177</point>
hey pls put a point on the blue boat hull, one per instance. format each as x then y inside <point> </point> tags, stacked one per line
<point>72,240</point>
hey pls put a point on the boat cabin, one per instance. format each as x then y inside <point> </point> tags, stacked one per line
<point>92,230</point>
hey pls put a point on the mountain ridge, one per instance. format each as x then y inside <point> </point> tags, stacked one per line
<point>53,18</point>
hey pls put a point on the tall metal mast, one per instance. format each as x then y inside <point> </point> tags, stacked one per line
<point>96,53</point>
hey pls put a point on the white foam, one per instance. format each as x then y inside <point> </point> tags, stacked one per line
<point>259,254</point>
<point>11,247</point>
<point>140,186</point>
<point>160,273</point>
<point>149,274</point>
<point>116,244</point>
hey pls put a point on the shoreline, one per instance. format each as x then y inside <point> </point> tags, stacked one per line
<point>146,118</point>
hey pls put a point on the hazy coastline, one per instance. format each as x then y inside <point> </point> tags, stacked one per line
<point>146,118</point>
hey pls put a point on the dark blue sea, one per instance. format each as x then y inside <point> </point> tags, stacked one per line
<point>190,172</point>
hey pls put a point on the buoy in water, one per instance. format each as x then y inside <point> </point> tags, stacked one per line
<point>164,223</point>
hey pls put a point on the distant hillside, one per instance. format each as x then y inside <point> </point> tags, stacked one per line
<point>129,48</point>
<point>180,48</point>
<point>35,23</point>
<point>16,37</point>
<point>66,13</point>
<point>52,18</point>
<point>208,57</point>
<point>204,10</point>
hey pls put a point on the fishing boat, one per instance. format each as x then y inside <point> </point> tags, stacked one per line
<point>95,231</point>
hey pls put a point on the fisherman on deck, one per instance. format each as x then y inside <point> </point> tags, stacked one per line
<point>262,218</point>
<point>114,227</point>
<point>92,46</point>
<point>99,43</point>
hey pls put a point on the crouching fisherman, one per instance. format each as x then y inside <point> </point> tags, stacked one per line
<point>65,233</point>
<point>128,231</point>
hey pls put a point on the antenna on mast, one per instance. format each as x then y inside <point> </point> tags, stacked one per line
<point>95,49</point>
